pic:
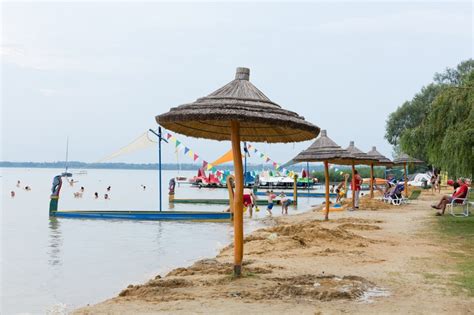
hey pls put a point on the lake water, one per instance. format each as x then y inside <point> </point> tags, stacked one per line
<point>49,264</point>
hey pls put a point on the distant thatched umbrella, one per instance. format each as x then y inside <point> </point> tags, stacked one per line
<point>404,159</point>
<point>381,160</point>
<point>361,158</point>
<point>238,111</point>
<point>325,150</point>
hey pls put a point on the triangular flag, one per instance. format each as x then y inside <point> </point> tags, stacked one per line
<point>191,153</point>
<point>168,136</point>
<point>274,164</point>
<point>186,150</point>
<point>204,163</point>
<point>209,166</point>
<point>268,159</point>
<point>196,157</point>
<point>255,150</point>
<point>262,155</point>
<point>178,143</point>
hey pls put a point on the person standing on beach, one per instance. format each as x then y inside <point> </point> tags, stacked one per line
<point>356,182</point>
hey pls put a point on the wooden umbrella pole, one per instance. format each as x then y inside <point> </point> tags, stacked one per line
<point>371,180</point>
<point>353,185</point>
<point>238,199</point>
<point>406,179</point>
<point>326,179</point>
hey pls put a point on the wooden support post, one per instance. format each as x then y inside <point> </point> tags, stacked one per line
<point>326,179</point>
<point>371,180</point>
<point>353,185</point>
<point>238,200</point>
<point>295,189</point>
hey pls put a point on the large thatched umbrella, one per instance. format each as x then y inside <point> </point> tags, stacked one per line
<point>404,159</point>
<point>325,150</point>
<point>360,158</point>
<point>238,111</point>
<point>380,160</point>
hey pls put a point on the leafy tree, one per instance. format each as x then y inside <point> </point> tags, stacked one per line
<point>411,113</point>
<point>445,137</point>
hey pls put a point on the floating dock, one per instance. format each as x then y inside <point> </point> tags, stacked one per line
<point>145,215</point>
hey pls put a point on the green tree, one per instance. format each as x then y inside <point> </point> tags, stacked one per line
<point>448,131</point>
<point>445,137</point>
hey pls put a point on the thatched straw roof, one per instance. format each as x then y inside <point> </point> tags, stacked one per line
<point>359,156</point>
<point>382,160</point>
<point>324,149</point>
<point>405,158</point>
<point>261,120</point>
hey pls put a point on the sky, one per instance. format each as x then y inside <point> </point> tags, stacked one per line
<point>99,72</point>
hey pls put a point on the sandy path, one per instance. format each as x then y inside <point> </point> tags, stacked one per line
<point>304,265</point>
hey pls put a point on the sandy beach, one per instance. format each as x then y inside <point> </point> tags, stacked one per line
<point>388,260</point>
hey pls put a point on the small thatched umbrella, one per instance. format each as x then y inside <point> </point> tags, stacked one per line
<point>404,159</point>
<point>238,111</point>
<point>360,158</point>
<point>325,150</point>
<point>381,160</point>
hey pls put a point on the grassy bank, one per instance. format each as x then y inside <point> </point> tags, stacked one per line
<point>459,232</point>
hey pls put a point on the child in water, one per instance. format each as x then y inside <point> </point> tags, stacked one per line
<point>285,203</point>
<point>270,197</point>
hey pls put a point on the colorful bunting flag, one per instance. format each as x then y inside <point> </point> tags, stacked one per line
<point>196,157</point>
<point>204,164</point>
<point>186,150</point>
<point>168,136</point>
<point>178,143</point>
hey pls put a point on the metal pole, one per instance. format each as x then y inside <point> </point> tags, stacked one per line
<point>159,166</point>
<point>245,164</point>
<point>160,138</point>
<point>307,176</point>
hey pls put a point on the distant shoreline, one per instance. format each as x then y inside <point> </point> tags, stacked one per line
<point>118,166</point>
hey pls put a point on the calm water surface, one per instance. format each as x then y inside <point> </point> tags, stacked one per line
<point>49,264</point>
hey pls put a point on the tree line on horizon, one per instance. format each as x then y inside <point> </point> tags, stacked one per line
<point>437,124</point>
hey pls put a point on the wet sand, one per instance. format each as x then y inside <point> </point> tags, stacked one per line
<point>385,260</point>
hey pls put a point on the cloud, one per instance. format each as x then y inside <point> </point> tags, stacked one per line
<point>14,51</point>
<point>48,92</point>
<point>419,21</point>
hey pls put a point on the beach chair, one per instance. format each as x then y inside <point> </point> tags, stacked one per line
<point>394,195</point>
<point>456,203</point>
<point>413,196</point>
